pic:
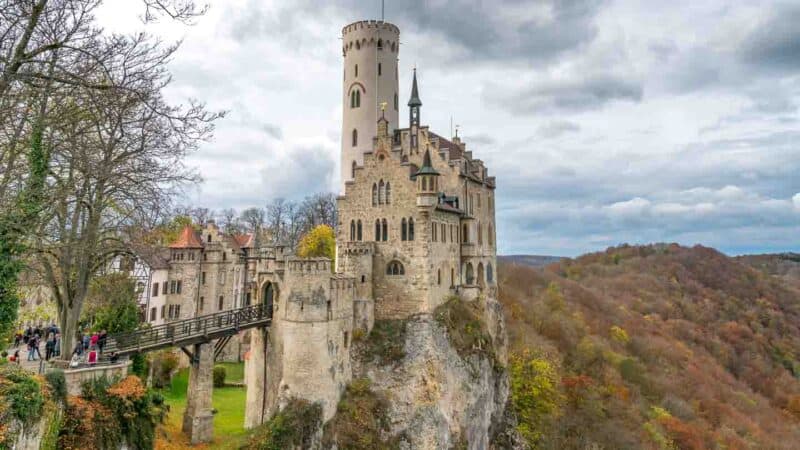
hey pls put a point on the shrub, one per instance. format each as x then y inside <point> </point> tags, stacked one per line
<point>292,427</point>
<point>111,413</point>
<point>465,326</point>
<point>386,341</point>
<point>23,393</point>
<point>219,376</point>
<point>164,365</point>
<point>58,384</point>
<point>140,365</point>
<point>361,420</point>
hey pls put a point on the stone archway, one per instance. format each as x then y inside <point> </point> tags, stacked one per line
<point>470,274</point>
<point>268,295</point>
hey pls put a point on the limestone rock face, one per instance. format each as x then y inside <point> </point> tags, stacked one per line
<point>439,400</point>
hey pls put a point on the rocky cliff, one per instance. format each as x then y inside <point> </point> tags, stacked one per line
<point>442,377</point>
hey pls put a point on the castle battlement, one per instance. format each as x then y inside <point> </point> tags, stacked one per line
<point>370,24</point>
<point>305,266</point>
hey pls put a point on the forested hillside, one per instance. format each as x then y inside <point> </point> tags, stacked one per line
<point>654,347</point>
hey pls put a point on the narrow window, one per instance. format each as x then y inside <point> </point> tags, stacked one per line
<point>464,235</point>
<point>452,277</point>
<point>221,302</point>
<point>178,288</point>
<point>380,72</point>
<point>480,234</point>
<point>224,256</point>
<point>357,64</point>
<point>353,170</point>
<point>203,278</point>
<point>352,230</point>
<point>163,308</point>
<point>490,236</point>
<point>433,231</point>
<point>358,231</point>
<point>381,193</point>
<point>155,289</point>
<point>153,314</point>
<point>444,232</point>
<point>345,339</point>
<point>374,194</point>
<point>202,304</point>
<point>209,238</point>
<point>403,230</point>
<point>163,290</point>
<point>388,193</point>
<point>380,44</point>
<point>385,230</point>
<point>355,137</point>
<point>353,99</point>
<point>358,98</point>
<point>395,101</point>
<point>439,277</point>
<point>411,229</point>
<point>377,230</point>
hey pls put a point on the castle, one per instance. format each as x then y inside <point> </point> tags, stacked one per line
<point>416,224</point>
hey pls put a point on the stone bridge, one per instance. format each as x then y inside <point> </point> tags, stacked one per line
<point>200,338</point>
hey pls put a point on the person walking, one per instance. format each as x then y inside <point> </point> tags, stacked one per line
<point>85,341</point>
<point>49,346</point>
<point>93,340</point>
<point>31,347</point>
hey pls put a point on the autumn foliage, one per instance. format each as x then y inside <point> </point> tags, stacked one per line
<point>657,346</point>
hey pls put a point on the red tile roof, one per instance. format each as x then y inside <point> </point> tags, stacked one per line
<point>187,239</point>
<point>243,240</point>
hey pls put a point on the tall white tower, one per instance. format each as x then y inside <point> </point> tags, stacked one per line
<point>370,49</point>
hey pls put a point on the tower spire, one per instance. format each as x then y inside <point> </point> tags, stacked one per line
<point>414,100</point>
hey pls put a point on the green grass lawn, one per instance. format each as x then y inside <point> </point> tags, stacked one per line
<point>229,402</point>
<point>234,372</point>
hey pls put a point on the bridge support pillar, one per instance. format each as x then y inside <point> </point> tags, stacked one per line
<point>198,419</point>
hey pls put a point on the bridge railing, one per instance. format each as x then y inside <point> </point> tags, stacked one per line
<point>188,328</point>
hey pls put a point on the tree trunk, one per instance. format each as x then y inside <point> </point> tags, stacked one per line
<point>70,332</point>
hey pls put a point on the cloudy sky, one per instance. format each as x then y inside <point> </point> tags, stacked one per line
<point>604,121</point>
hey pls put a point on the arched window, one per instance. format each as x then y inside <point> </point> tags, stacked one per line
<point>381,193</point>
<point>470,274</point>
<point>490,236</point>
<point>403,230</point>
<point>352,230</point>
<point>385,230</point>
<point>388,193</point>
<point>358,231</point>
<point>355,137</point>
<point>353,170</point>
<point>353,99</point>
<point>395,268</point>
<point>374,194</point>
<point>489,273</point>
<point>410,228</point>
<point>377,230</point>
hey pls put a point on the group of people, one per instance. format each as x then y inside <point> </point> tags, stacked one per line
<point>31,337</point>
<point>88,348</point>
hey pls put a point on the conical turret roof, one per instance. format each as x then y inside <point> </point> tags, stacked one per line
<point>414,100</point>
<point>187,239</point>
<point>427,167</point>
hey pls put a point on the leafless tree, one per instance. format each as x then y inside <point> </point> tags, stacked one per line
<point>229,221</point>
<point>117,147</point>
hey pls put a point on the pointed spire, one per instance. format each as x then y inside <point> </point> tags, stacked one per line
<point>414,100</point>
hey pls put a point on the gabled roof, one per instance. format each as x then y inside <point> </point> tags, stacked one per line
<point>244,240</point>
<point>451,147</point>
<point>154,257</point>
<point>187,239</point>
